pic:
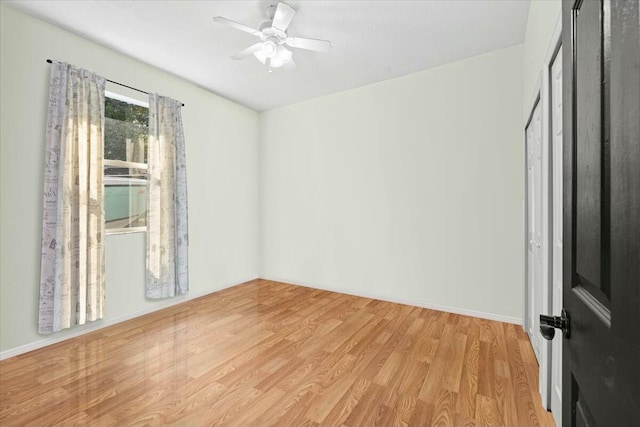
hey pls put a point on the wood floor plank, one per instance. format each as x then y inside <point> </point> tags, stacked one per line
<point>256,416</point>
<point>296,414</point>
<point>487,412</point>
<point>273,354</point>
<point>413,378</point>
<point>466,403</point>
<point>400,412</point>
<point>451,380</point>
<point>503,387</point>
<point>433,381</point>
<point>320,408</point>
<point>525,405</point>
<point>368,411</point>
<point>422,414</point>
<point>486,379</point>
<point>389,369</point>
<point>349,401</point>
<point>444,408</point>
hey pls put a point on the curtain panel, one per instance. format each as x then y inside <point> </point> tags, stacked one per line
<point>167,231</point>
<point>72,257</point>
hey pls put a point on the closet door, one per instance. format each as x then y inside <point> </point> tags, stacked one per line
<point>533,141</point>
<point>555,80</point>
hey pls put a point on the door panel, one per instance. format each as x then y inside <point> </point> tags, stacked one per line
<point>588,127</point>
<point>601,253</point>
<point>533,133</point>
<point>530,235</point>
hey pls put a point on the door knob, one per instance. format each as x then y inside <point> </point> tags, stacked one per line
<point>549,323</point>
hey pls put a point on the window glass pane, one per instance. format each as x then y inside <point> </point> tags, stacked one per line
<point>125,201</point>
<point>126,131</point>
<point>125,155</point>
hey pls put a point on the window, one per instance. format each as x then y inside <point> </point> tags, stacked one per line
<point>126,135</point>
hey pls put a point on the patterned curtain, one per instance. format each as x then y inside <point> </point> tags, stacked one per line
<point>72,263</point>
<point>167,234</point>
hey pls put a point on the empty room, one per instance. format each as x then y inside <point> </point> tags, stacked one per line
<point>320,213</point>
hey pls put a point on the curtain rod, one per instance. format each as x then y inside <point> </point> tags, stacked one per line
<point>120,84</point>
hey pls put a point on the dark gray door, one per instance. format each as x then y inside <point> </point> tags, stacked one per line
<point>601,256</point>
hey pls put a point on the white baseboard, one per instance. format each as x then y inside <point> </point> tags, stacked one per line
<point>438,307</point>
<point>99,324</point>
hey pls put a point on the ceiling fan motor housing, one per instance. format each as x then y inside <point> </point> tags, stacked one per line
<point>268,31</point>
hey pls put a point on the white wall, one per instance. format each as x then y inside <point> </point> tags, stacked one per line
<point>221,144</point>
<point>409,189</point>
<point>541,21</point>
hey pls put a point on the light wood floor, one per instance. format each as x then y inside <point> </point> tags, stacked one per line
<point>268,353</point>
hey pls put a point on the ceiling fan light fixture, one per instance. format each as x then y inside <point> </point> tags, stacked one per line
<point>269,49</point>
<point>260,56</point>
<point>282,57</point>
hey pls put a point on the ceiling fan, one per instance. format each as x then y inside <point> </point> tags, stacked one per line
<point>271,50</point>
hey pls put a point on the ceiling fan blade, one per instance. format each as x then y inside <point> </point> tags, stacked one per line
<point>248,51</point>
<point>283,16</point>
<point>309,44</point>
<point>237,26</point>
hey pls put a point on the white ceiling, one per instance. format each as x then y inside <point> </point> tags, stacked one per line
<point>372,40</point>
